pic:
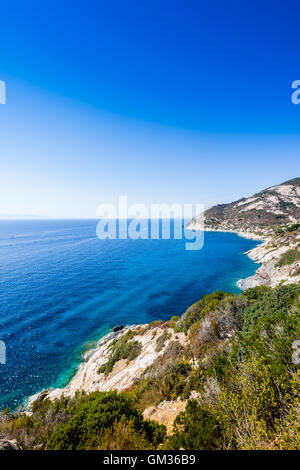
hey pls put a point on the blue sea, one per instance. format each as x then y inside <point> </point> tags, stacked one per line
<point>61,288</point>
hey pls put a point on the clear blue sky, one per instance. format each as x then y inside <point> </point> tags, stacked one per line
<point>163,101</point>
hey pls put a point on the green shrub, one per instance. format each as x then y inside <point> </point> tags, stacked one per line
<point>122,348</point>
<point>131,350</point>
<point>98,413</point>
<point>293,227</point>
<point>161,340</point>
<point>173,322</point>
<point>165,379</point>
<point>196,429</point>
<point>122,436</point>
<point>209,303</point>
<point>288,257</point>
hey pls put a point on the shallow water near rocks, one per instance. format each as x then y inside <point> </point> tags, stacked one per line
<point>61,288</point>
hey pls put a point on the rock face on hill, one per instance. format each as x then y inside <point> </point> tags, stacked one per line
<point>275,206</point>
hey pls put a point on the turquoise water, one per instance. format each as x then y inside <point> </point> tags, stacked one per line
<point>61,287</point>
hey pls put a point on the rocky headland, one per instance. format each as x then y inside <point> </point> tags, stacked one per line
<point>271,216</point>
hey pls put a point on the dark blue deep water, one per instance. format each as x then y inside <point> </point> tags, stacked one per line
<point>62,288</point>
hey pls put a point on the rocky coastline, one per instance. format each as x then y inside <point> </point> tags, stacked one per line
<point>271,216</point>
<point>267,255</point>
<point>125,374</point>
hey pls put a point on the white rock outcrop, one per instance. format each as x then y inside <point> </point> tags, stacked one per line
<point>124,373</point>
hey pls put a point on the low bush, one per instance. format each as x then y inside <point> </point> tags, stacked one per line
<point>196,428</point>
<point>288,257</point>
<point>199,310</point>
<point>165,379</point>
<point>97,417</point>
<point>161,340</point>
<point>121,349</point>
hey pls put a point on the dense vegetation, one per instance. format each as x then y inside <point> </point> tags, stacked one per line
<point>289,257</point>
<point>100,420</point>
<point>237,362</point>
<point>249,386</point>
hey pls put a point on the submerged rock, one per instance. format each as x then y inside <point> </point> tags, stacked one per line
<point>118,328</point>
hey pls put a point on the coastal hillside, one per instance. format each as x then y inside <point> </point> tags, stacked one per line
<point>223,375</point>
<point>279,257</point>
<point>272,207</point>
<point>272,216</point>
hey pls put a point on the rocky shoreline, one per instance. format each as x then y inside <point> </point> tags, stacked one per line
<point>244,234</point>
<point>124,373</point>
<point>87,377</point>
<point>267,255</point>
<point>272,216</point>
<point>272,272</point>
